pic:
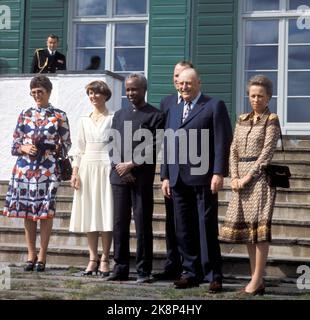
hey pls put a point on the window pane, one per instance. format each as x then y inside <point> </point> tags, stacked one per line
<point>298,83</point>
<point>91,35</point>
<point>298,34</point>
<point>298,109</point>
<point>84,57</point>
<point>130,34</point>
<point>261,31</point>
<point>294,4</point>
<point>298,57</point>
<point>259,5</point>
<point>272,105</point>
<point>261,57</point>
<point>128,59</point>
<point>129,7</point>
<point>273,76</point>
<point>91,7</point>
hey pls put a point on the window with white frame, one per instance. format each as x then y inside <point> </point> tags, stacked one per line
<point>113,31</point>
<point>275,41</point>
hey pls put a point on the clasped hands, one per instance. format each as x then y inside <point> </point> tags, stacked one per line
<point>29,149</point>
<point>239,184</point>
<point>123,170</point>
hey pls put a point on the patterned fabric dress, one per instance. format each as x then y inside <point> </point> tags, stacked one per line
<point>249,213</point>
<point>33,186</point>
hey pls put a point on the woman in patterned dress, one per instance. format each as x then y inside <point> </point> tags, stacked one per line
<point>41,134</point>
<point>249,214</point>
<point>92,209</point>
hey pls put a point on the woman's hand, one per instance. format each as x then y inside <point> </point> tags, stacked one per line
<point>75,181</point>
<point>239,184</point>
<point>29,149</point>
<point>234,184</point>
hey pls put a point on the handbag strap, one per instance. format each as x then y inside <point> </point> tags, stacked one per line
<point>282,145</point>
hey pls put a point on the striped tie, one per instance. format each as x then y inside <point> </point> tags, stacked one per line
<point>187,109</point>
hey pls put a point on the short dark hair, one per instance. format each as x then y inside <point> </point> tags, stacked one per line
<point>140,77</point>
<point>41,80</point>
<point>260,80</point>
<point>53,36</point>
<point>99,86</point>
<point>185,63</point>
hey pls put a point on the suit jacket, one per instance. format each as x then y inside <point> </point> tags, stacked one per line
<point>147,117</point>
<point>167,102</point>
<point>43,62</point>
<point>208,113</point>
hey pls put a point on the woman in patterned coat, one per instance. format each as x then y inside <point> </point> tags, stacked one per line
<point>249,214</point>
<point>41,135</point>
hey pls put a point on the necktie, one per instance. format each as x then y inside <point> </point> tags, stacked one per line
<point>187,109</point>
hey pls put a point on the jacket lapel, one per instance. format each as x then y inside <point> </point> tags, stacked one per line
<point>199,106</point>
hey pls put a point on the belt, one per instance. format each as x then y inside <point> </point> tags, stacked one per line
<point>248,159</point>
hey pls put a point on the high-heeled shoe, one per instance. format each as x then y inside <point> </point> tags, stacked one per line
<point>104,272</point>
<point>29,266</point>
<point>40,266</point>
<point>258,291</point>
<point>90,272</point>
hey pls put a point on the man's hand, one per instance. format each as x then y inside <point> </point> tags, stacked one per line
<point>217,183</point>
<point>128,178</point>
<point>123,168</point>
<point>165,188</point>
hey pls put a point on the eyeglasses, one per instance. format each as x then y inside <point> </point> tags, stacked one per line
<point>37,92</point>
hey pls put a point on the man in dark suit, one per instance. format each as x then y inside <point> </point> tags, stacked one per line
<point>132,179</point>
<point>48,60</point>
<point>173,266</point>
<point>203,126</point>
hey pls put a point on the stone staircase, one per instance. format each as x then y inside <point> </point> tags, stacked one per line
<point>291,225</point>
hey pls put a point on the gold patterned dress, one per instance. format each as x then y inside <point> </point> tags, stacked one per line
<point>249,213</point>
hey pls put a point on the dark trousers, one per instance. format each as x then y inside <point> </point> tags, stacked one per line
<point>173,261</point>
<point>196,218</point>
<point>140,199</point>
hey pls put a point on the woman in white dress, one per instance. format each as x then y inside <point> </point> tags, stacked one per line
<point>92,210</point>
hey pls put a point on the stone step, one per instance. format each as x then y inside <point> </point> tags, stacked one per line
<point>292,154</point>
<point>296,142</point>
<point>288,246</point>
<point>295,195</point>
<point>282,210</point>
<point>280,227</point>
<point>77,257</point>
<point>285,210</point>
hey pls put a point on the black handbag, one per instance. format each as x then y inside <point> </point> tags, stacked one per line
<point>277,175</point>
<point>65,168</point>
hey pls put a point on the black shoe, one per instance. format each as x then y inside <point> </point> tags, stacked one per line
<point>90,272</point>
<point>166,276</point>
<point>185,283</point>
<point>40,266</point>
<point>105,264</point>
<point>117,277</point>
<point>29,266</point>
<point>143,279</point>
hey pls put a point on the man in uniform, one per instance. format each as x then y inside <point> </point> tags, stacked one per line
<point>48,60</point>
